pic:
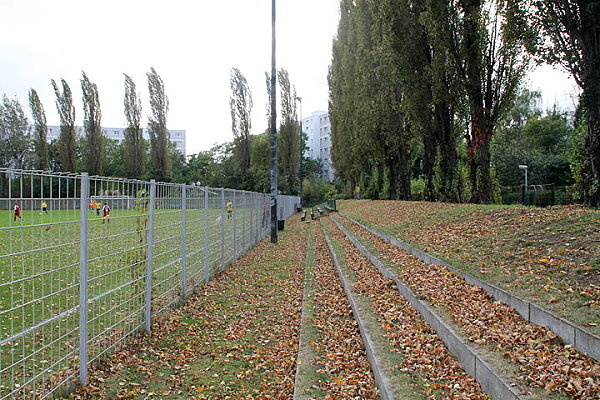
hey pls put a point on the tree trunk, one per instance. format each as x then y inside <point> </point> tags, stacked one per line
<point>429,162</point>
<point>591,100</point>
<point>448,156</point>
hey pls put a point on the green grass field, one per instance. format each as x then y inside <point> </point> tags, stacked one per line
<point>39,280</point>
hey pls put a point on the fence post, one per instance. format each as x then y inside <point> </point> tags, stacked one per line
<point>234,227</point>
<point>83,278</point>
<point>244,225</point>
<point>183,241</point>
<point>206,248</point>
<point>250,220</point>
<point>222,229</point>
<point>150,261</point>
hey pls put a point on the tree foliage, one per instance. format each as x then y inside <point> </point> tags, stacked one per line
<point>289,135</point>
<point>40,131</point>
<point>567,33</point>
<point>134,144</point>
<point>157,128</point>
<point>67,141</point>
<point>92,127</point>
<point>240,104</point>
<point>14,134</point>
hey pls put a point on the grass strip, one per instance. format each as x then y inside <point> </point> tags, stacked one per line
<point>237,339</point>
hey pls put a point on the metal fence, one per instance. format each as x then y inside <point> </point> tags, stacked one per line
<point>76,282</point>
<point>537,195</point>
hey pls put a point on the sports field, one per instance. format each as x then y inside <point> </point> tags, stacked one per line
<point>40,275</point>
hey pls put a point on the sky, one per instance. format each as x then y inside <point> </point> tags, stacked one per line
<point>192,44</point>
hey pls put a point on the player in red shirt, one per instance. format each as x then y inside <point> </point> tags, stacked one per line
<point>105,213</point>
<point>17,212</point>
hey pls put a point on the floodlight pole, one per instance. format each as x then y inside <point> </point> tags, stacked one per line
<point>300,161</point>
<point>273,132</point>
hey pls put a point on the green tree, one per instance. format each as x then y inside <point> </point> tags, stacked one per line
<point>134,144</point>
<point>489,61</point>
<point>569,36</point>
<point>157,128</point>
<point>15,142</point>
<point>92,126</point>
<point>67,140</point>
<point>240,104</point>
<point>289,134</point>
<point>40,131</point>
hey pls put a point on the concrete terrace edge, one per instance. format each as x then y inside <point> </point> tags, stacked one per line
<point>381,380</point>
<point>585,342</point>
<point>489,379</point>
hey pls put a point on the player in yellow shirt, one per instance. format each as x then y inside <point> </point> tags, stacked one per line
<point>44,208</point>
<point>229,209</point>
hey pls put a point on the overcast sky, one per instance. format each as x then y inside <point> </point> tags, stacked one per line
<point>192,44</point>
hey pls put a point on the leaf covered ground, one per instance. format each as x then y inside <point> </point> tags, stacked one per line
<point>537,354</point>
<point>236,339</point>
<point>549,256</point>
<point>341,365</point>
<point>425,357</point>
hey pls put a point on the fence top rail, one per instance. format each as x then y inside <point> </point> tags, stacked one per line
<point>14,172</point>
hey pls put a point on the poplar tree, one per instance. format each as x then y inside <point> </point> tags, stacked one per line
<point>157,127</point>
<point>240,104</point>
<point>40,131</point>
<point>67,140</point>
<point>289,138</point>
<point>134,138</point>
<point>94,151</point>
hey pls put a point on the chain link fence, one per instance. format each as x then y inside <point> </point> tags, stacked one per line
<point>86,262</point>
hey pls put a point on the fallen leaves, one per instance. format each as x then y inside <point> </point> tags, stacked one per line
<point>425,355</point>
<point>538,352</point>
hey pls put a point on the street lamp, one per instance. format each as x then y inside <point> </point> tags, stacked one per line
<point>524,167</point>
<point>273,127</point>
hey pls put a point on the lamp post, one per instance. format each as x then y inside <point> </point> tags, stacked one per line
<point>299,99</point>
<point>524,168</point>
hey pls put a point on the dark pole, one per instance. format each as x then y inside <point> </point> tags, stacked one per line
<point>273,134</point>
<point>300,161</point>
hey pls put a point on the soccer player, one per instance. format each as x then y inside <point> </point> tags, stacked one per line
<point>105,213</point>
<point>229,209</point>
<point>98,206</point>
<point>17,212</point>
<point>44,207</point>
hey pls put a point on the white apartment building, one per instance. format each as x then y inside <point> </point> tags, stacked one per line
<point>177,136</point>
<point>318,129</point>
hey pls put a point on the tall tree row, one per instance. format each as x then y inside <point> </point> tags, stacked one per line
<point>404,73</point>
<point>425,84</point>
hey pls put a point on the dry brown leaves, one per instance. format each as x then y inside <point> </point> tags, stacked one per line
<point>339,345</point>
<point>540,356</point>
<point>425,354</point>
<point>237,339</point>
